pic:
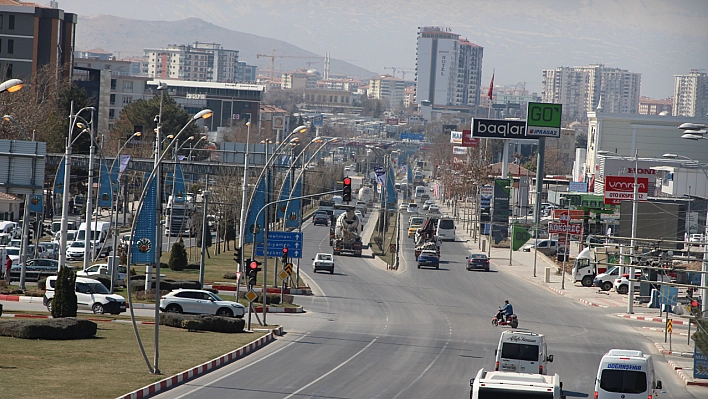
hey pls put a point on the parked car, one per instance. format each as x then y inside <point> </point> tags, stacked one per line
<point>75,251</point>
<point>606,280</point>
<point>35,270</point>
<point>102,269</point>
<point>52,249</point>
<point>90,295</point>
<point>478,262</point>
<point>320,219</point>
<point>14,253</point>
<point>621,284</point>
<point>428,258</point>
<point>200,302</point>
<point>696,239</point>
<point>323,261</point>
<point>547,247</point>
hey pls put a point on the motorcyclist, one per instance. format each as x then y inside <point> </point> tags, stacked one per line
<point>506,310</point>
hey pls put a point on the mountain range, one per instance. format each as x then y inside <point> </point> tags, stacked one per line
<point>128,37</point>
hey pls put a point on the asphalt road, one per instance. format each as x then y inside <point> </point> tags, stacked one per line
<point>415,333</point>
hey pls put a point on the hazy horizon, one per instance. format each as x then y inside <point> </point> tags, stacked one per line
<point>520,39</point>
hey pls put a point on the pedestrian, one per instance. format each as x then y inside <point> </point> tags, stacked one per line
<point>8,265</point>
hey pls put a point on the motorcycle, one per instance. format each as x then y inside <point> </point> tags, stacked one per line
<point>511,320</point>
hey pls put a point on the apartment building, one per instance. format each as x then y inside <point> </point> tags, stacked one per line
<point>389,89</point>
<point>32,36</point>
<point>650,106</point>
<point>691,94</point>
<point>202,62</point>
<point>582,89</point>
<point>299,80</point>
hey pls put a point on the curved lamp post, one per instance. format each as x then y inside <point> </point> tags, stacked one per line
<point>9,118</point>
<point>204,114</point>
<point>11,85</point>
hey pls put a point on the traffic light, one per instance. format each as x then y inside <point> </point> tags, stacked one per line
<point>347,190</point>
<point>253,270</point>
<point>237,256</point>
<point>284,258</point>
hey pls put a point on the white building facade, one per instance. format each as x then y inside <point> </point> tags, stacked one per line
<point>389,89</point>
<point>203,62</point>
<point>691,94</point>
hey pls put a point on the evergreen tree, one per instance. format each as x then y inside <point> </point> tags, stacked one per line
<point>64,302</point>
<point>178,256</point>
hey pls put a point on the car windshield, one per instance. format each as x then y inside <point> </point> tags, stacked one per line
<point>412,205</point>
<point>623,381</point>
<point>478,256</point>
<point>12,251</point>
<point>98,288</point>
<point>77,244</point>
<point>324,257</point>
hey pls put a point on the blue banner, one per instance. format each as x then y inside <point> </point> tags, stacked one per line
<point>254,227</point>
<point>391,197</point>
<point>36,204</point>
<point>105,190</point>
<point>284,194</point>
<point>59,179</point>
<point>115,166</point>
<point>143,250</point>
<point>293,213</point>
<point>179,189</point>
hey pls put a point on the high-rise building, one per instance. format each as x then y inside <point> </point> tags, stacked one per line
<point>691,94</point>
<point>582,89</point>
<point>389,89</point>
<point>33,36</point>
<point>448,69</point>
<point>202,62</point>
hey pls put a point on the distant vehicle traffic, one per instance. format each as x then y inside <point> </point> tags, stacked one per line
<point>478,262</point>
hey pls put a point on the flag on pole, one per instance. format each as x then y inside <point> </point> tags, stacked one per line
<point>179,188</point>
<point>293,213</point>
<point>59,179</point>
<point>491,87</point>
<point>145,238</point>
<point>253,226</point>
<point>284,194</point>
<point>105,189</point>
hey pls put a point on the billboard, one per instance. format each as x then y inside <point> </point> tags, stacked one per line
<point>445,71</point>
<point>498,129</point>
<point>565,228</point>
<point>621,188</point>
<point>455,137</point>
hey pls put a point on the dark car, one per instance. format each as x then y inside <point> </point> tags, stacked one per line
<point>320,219</point>
<point>428,258</point>
<point>478,262</point>
<point>35,270</point>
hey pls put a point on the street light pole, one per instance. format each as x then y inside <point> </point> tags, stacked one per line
<point>244,199</point>
<point>88,237</point>
<point>635,201</point>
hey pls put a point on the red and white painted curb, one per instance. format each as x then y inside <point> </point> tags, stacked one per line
<point>661,330</point>
<point>556,290</point>
<point>21,298</point>
<point>668,352</point>
<point>202,369</point>
<point>271,290</point>
<point>281,310</point>
<point>591,303</point>
<point>688,380</point>
<point>676,322</point>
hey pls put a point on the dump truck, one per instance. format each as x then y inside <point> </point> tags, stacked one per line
<point>347,234</point>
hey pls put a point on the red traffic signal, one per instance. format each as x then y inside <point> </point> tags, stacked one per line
<point>285,250</point>
<point>347,181</point>
<point>253,265</point>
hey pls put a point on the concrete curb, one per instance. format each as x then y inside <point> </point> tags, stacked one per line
<point>668,352</point>
<point>661,330</point>
<point>270,290</point>
<point>677,322</point>
<point>591,303</point>
<point>37,316</point>
<point>688,380</point>
<point>281,310</point>
<point>204,368</point>
<point>21,298</point>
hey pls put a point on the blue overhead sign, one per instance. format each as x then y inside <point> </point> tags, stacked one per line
<point>285,236</point>
<point>274,252</point>
<point>318,120</point>
<point>412,136</point>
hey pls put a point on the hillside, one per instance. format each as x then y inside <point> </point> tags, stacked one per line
<point>128,37</point>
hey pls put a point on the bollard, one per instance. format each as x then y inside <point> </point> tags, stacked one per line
<point>547,275</point>
<point>484,245</point>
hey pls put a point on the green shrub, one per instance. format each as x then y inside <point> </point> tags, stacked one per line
<point>230,276</point>
<point>272,299</point>
<point>149,295</point>
<point>178,256</point>
<point>193,266</point>
<point>64,302</point>
<point>203,322</point>
<point>54,329</point>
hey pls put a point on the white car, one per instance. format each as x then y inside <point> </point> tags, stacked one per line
<point>14,253</point>
<point>323,261</point>
<point>200,302</point>
<point>621,284</point>
<point>90,295</point>
<point>102,269</point>
<point>75,251</point>
<point>412,207</point>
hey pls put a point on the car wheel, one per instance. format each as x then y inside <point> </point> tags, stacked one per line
<point>622,289</point>
<point>49,305</point>
<point>314,270</point>
<point>606,286</point>
<point>587,281</point>
<point>418,266</point>
<point>97,308</point>
<point>486,269</point>
<point>437,267</point>
<point>173,308</point>
<point>224,312</point>
<point>331,271</point>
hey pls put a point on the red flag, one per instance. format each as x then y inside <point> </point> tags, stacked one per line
<point>491,87</point>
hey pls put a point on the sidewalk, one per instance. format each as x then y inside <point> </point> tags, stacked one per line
<point>679,355</point>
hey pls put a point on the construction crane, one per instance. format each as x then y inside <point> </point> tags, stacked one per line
<point>273,57</point>
<point>402,70</point>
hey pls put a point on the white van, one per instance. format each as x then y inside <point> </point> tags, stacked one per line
<point>419,191</point>
<point>100,231</point>
<point>626,374</point>
<point>90,295</point>
<point>522,352</point>
<point>446,229</point>
<point>504,385</point>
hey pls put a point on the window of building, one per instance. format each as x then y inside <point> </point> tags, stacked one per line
<point>113,84</point>
<point>128,85</point>
<point>127,100</point>
<point>113,99</point>
<point>11,22</point>
<point>111,113</point>
<point>8,71</point>
<point>1,19</point>
<point>10,46</point>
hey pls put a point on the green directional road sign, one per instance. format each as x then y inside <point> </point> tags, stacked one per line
<point>543,120</point>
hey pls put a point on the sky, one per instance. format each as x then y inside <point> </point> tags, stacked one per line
<point>657,38</point>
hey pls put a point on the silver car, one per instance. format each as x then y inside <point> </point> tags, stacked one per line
<point>200,302</point>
